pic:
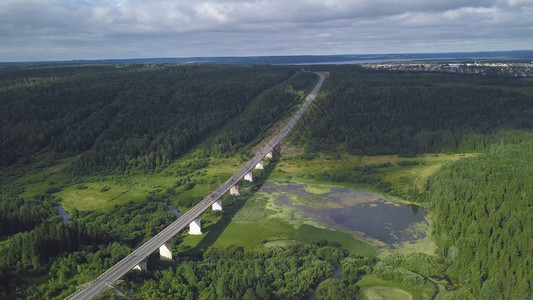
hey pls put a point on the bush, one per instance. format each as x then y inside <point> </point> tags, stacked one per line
<point>53,190</point>
<point>189,186</point>
<point>407,163</point>
<point>332,288</point>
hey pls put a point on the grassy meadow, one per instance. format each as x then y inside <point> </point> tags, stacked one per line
<point>252,220</point>
<point>402,173</point>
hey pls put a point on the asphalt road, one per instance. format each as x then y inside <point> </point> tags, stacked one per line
<point>122,267</point>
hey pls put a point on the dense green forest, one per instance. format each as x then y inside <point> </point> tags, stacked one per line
<point>273,105</point>
<point>130,117</point>
<point>30,251</point>
<point>128,120</point>
<point>232,273</point>
<point>375,113</point>
<point>484,220</point>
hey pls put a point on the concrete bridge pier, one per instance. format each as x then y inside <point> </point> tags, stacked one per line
<point>276,150</point>
<point>259,166</point>
<point>195,228</point>
<point>234,191</point>
<point>141,266</point>
<point>249,177</point>
<point>165,252</point>
<point>217,205</point>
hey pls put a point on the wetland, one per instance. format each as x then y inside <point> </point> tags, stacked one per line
<point>363,213</point>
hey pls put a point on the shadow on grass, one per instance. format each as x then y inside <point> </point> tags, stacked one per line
<point>215,230</point>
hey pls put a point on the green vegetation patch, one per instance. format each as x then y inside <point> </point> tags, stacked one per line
<point>253,235</point>
<point>317,189</point>
<point>385,293</point>
<point>98,196</point>
<point>391,174</point>
<point>409,272</point>
<point>250,235</point>
<point>178,183</point>
<point>308,200</point>
<point>236,273</point>
<point>412,173</point>
<point>308,233</point>
<point>254,208</point>
<point>422,292</point>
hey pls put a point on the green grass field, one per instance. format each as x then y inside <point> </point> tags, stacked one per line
<point>385,293</point>
<point>275,232</point>
<point>318,189</point>
<point>417,175</point>
<point>404,173</point>
<point>373,288</point>
<point>101,193</point>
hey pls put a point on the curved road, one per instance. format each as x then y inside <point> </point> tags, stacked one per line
<point>129,262</point>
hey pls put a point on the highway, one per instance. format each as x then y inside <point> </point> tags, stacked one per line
<point>107,278</point>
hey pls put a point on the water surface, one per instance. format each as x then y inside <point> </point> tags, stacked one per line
<point>361,212</point>
<point>174,210</point>
<point>63,214</point>
<point>380,219</point>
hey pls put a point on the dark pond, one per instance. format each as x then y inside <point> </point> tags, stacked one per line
<point>358,211</point>
<point>379,219</point>
<point>63,214</point>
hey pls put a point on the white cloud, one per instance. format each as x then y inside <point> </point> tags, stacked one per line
<point>65,29</point>
<point>520,2</point>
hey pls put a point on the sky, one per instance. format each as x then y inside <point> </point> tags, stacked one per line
<point>34,30</point>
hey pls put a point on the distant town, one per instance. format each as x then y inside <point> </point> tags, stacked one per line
<point>522,69</point>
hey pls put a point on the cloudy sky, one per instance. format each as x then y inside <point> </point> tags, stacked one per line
<point>98,29</point>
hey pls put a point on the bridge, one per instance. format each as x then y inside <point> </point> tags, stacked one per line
<point>136,259</point>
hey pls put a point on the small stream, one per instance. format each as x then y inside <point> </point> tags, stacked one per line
<point>63,214</point>
<point>174,210</point>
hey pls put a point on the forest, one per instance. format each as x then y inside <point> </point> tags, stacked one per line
<point>121,121</point>
<point>375,113</point>
<point>484,227</point>
<point>132,117</point>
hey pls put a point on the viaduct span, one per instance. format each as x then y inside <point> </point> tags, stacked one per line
<point>136,259</point>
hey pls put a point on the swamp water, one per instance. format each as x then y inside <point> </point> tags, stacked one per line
<point>365,214</point>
